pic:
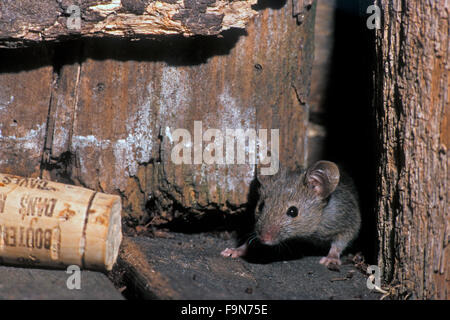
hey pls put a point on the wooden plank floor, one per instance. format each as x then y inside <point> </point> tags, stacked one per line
<point>191,267</point>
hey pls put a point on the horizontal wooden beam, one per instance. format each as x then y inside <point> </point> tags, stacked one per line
<point>29,21</point>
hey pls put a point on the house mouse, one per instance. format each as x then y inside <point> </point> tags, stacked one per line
<point>318,204</point>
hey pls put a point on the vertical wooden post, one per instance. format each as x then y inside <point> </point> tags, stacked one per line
<point>412,110</point>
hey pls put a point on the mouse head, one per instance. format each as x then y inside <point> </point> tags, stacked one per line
<point>291,203</point>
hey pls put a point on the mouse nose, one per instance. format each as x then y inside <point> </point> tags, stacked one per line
<point>267,237</point>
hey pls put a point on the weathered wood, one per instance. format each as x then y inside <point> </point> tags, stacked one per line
<point>27,21</point>
<point>191,267</point>
<point>412,104</point>
<point>111,106</point>
<point>140,274</point>
<point>25,87</point>
<point>48,224</point>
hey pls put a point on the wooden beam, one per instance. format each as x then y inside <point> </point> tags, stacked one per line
<point>29,21</point>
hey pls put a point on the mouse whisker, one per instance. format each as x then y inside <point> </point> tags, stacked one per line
<point>252,237</point>
<point>250,234</point>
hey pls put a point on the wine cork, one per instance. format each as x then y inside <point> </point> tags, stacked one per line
<point>50,224</point>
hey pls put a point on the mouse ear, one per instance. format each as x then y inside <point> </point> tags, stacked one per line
<point>265,180</point>
<point>323,177</point>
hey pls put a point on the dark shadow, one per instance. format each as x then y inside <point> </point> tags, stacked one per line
<point>292,249</point>
<point>24,59</point>
<point>272,4</point>
<point>175,50</point>
<point>60,168</point>
<point>245,227</point>
<point>349,117</point>
<point>213,221</point>
<point>189,223</point>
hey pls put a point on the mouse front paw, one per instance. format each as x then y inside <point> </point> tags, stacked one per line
<point>233,252</point>
<point>329,260</point>
<point>332,261</point>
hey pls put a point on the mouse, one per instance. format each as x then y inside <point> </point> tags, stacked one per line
<point>319,204</point>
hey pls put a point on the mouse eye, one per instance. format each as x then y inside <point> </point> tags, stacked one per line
<point>292,212</point>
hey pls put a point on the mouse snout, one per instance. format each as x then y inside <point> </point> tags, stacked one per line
<point>268,236</point>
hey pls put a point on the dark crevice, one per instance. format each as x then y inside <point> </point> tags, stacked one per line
<point>348,114</point>
<point>211,220</point>
<point>203,220</point>
<point>125,282</point>
<point>48,138</point>
<point>175,50</point>
<point>58,166</point>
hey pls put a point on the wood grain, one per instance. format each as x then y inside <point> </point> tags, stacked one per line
<point>412,103</point>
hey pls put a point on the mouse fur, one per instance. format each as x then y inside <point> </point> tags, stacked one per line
<point>317,204</point>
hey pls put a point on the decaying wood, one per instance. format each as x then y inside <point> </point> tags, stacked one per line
<point>27,21</point>
<point>100,113</point>
<point>44,223</point>
<point>188,267</point>
<point>142,275</point>
<point>412,107</point>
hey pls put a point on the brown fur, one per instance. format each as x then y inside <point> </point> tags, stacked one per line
<point>329,214</point>
<point>326,203</point>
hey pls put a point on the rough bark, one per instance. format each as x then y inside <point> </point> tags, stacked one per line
<point>412,107</point>
<point>101,114</point>
<point>26,21</point>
